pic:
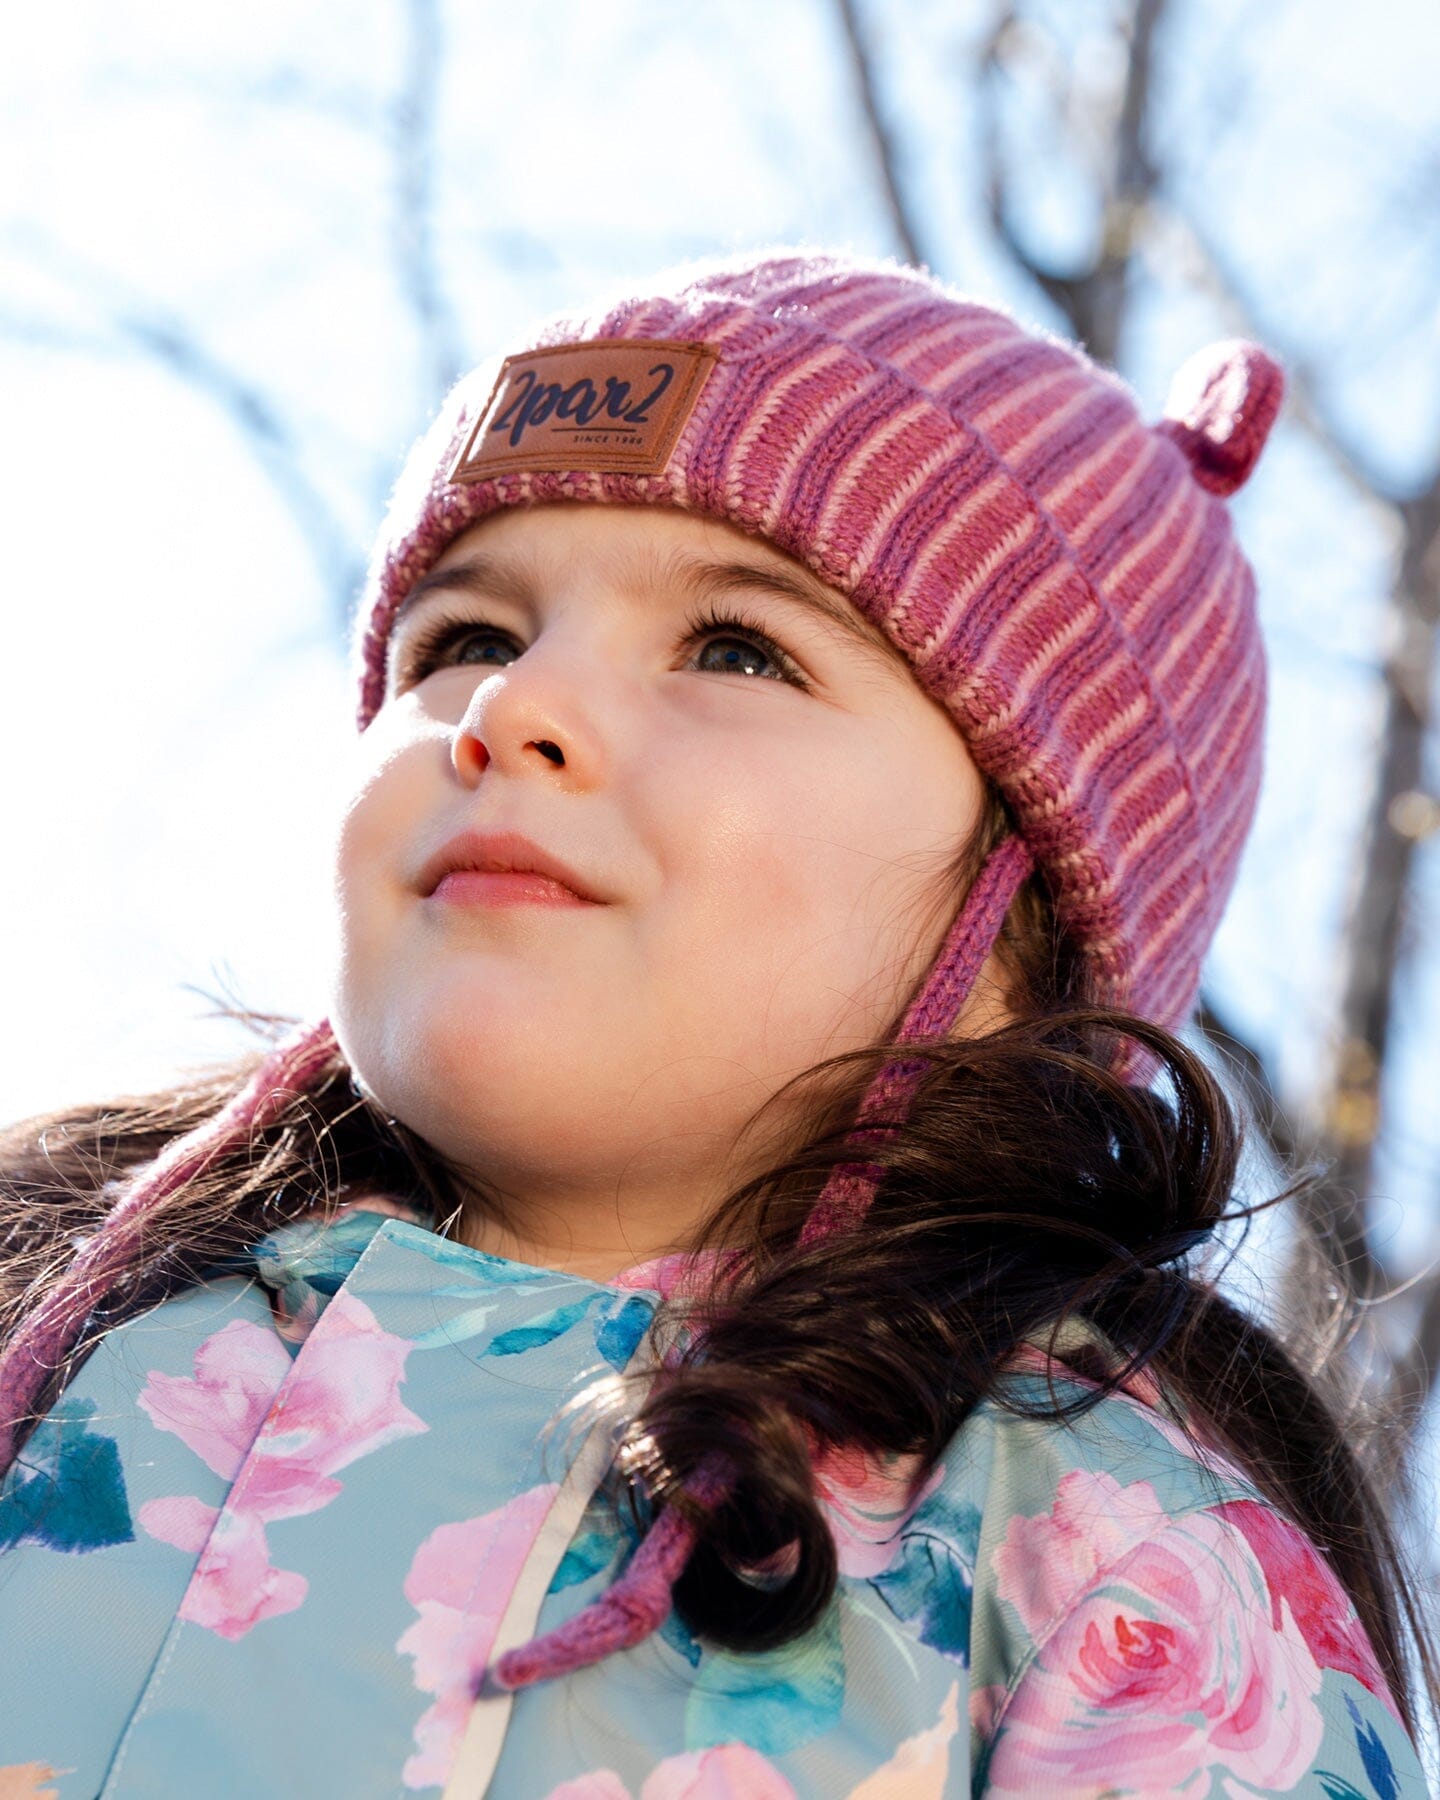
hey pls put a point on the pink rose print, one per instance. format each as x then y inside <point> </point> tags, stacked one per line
<point>235,1586</point>
<point>918,1770</point>
<point>459,1582</point>
<point>986,1705</point>
<point>678,1275</point>
<point>723,1772</point>
<point>1173,1660</point>
<point>340,1401</point>
<point>219,1410</point>
<point>867,1500</point>
<point>1046,1562</point>
<point>1300,1579</point>
<point>183,1520</point>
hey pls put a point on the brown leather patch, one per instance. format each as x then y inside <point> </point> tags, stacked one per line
<point>609,404</point>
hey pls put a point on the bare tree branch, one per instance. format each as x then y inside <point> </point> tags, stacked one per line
<point>416,263</point>
<point>52,334</point>
<point>995,53</point>
<point>256,411</point>
<point>1374,947</point>
<point>1399,815</point>
<point>261,421</point>
<point>1257,1088</point>
<point>1094,299</point>
<point>902,217</point>
<point>140,323</point>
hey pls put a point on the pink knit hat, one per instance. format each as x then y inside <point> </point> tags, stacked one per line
<point>1061,576</point>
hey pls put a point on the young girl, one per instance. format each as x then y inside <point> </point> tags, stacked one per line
<point>718,1308</point>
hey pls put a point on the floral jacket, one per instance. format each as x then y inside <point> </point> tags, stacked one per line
<point>274,1526</point>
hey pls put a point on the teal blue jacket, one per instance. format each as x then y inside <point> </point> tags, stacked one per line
<point>274,1527</point>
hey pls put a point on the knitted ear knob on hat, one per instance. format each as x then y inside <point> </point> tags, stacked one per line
<point>1221,406</point>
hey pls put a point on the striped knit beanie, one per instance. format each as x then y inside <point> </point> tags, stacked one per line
<point>1061,576</point>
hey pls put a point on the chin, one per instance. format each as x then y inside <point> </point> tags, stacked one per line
<point>481,1056</point>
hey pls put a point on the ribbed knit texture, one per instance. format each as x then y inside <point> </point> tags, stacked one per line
<point>50,1332</point>
<point>847,1194</point>
<point>638,1603</point>
<point>1062,577</point>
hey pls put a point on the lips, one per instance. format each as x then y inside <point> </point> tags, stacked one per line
<point>501,852</point>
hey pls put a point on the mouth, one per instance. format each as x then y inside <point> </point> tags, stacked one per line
<point>502,868</point>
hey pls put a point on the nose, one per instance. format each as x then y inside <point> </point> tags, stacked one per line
<point>527,719</point>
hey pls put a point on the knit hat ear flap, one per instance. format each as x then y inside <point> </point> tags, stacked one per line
<point>1223,401</point>
<point>50,1332</point>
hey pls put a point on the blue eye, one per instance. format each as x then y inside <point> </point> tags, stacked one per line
<point>738,654</point>
<point>433,647</point>
<point>744,641</point>
<point>486,647</point>
<point>744,649</point>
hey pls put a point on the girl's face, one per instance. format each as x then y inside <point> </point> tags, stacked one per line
<point>755,791</point>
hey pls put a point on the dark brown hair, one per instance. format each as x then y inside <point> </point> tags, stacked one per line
<point>1029,1186</point>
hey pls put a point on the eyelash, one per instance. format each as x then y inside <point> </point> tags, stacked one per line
<point>417,660</point>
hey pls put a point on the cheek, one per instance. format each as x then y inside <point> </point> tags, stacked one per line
<point>374,831</point>
<point>808,886</point>
<point>356,838</point>
<point>848,831</point>
<point>763,835</point>
<point>351,861</point>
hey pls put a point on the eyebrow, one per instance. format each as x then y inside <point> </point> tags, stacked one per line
<point>500,579</point>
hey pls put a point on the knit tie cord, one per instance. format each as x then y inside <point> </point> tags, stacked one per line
<point>640,1601</point>
<point>49,1333</point>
